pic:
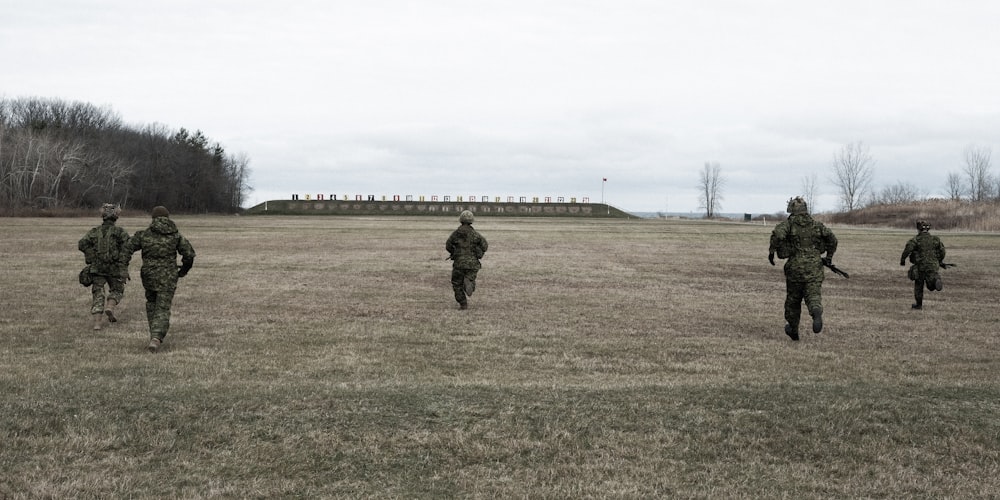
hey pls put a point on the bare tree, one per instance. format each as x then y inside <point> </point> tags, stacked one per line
<point>954,186</point>
<point>977,172</point>
<point>710,184</point>
<point>898,193</point>
<point>809,189</point>
<point>239,172</point>
<point>853,168</point>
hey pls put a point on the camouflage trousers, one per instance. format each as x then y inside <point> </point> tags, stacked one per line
<point>116,290</point>
<point>797,292</point>
<point>158,312</point>
<point>458,277</point>
<point>920,280</point>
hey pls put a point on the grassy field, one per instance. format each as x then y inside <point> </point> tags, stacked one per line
<point>325,357</point>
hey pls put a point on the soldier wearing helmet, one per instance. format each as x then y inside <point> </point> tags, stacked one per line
<point>926,252</point>
<point>466,246</point>
<point>103,248</point>
<point>803,241</point>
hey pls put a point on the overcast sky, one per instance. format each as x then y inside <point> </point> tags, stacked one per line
<point>534,98</point>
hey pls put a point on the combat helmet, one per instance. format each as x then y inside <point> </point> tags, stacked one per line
<point>466,217</point>
<point>110,211</point>
<point>797,205</point>
<point>923,226</point>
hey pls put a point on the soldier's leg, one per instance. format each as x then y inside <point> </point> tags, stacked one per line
<point>469,282</point>
<point>97,301</point>
<point>150,308</point>
<point>793,307</point>
<point>160,323</point>
<point>814,303</point>
<point>918,293</point>
<point>117,291</point>
<point>97,295</point>
<point>458,287</point>
<point>934,282</point>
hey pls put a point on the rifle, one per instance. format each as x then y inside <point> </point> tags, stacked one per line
<point>946,265</point>
<point>829,263</point>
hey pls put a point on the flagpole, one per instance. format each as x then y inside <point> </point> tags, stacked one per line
<point>603,182</point>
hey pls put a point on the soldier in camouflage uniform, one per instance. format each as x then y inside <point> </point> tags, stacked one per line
<point>802,240</point>
<point>160,245</point>
<point>926,253</point>
<point>103,248</point>
<point>466,247</point>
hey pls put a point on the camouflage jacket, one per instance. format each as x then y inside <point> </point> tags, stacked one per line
<point>160,244</point>
<point>104,250</point>
<point>803,240</point>
<point>926,251</point>
<point>466,247</point>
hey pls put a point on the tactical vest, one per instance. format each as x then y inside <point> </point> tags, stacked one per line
<point>804,239</point>
<point>924,251</point>
<point>462,242</point>
<point>107,251</point>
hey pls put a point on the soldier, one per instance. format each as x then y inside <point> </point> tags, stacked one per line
<point>926,253</point>
<point>103,248</point>
<point>160,245</point>
<point>466,247</point>
<point>802,240</point>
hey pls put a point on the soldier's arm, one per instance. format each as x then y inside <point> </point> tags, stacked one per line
<point>777,243</point>
<point>907,250</point>
<point>773,246</point>
<point>831,244</point>
<point>85,246</point>
<point>133,244</point>
<point>125,256</point>
<point>186,251</point>
<point>449,245</point>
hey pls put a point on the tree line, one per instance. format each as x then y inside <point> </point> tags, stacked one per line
<point>56,154</point>
<point>852,170</point>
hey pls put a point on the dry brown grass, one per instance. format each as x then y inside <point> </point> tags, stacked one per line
<point>942,214</point>
<point>325,357</point>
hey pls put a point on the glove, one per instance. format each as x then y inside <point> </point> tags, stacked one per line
<point>902,262</point>
<point>827,261</point>
<point>770,258</point>
<point>186,265</point>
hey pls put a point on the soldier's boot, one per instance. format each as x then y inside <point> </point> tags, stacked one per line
<point>792,332</point>
<point>98,320</point>
<point>470,286</point>
<point>917,305</point>
<point>109,309</point>
<point>817,321</point>
<point>154,344</point>
<point>463,305</point>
